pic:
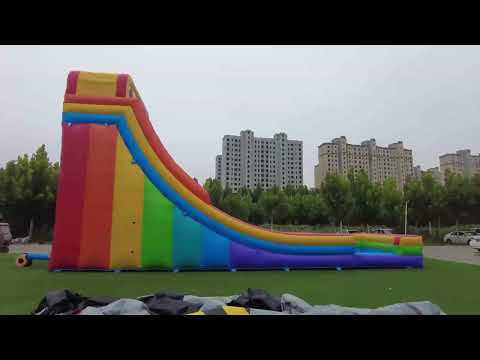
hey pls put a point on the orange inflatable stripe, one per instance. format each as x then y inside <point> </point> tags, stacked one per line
<point>97,212</point>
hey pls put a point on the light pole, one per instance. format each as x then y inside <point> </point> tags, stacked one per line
<point>406,214</point>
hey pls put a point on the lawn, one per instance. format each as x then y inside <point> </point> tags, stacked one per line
<point>452,286</point>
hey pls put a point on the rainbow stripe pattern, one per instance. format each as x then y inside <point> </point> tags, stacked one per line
<point>124,203</point>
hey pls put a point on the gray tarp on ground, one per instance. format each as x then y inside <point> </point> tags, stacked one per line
<point>119,307</point>
<point>291,305</point>
<point>256,301</point>
<point>209,302</point>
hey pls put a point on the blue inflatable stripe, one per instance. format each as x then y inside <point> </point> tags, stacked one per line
<point>215,250</point>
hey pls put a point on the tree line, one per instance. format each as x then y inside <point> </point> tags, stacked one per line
<point>354,200</point>
<point>28,187</point>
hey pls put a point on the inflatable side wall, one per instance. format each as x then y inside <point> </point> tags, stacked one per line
<point>124,203</point>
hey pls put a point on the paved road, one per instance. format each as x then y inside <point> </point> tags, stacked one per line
<point>18,248</point>
<point>458,253</point>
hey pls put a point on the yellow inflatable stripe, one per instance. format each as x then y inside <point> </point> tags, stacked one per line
<point>96,84</point>
<point>196,202</point>
<point>125,246</point>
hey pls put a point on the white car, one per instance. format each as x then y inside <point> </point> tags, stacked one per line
<point>475,243</point>
<point>460,237</point>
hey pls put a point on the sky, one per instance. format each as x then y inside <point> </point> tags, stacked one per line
<point>426,96</point>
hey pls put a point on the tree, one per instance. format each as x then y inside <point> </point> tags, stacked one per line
<point>476,198</point>
<point>214,189</point>
<point>275,205</point>
<point>299,209</point>
<point>338,197</point>
<point>257,193</point>
<point>289,190</point>
<point>257,214</point>
<point>227,191</point>
<point>459,196</point>
<point>28,191</point>
<point>435,198</point>
<point>417,201</point>
<point>236,206</point>
<point>303,190</point>
<point>283,209</point>
<point>391,207</point>
<point>367,198</point>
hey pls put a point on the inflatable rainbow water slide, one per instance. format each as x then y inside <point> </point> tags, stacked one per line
<point>123,203</point>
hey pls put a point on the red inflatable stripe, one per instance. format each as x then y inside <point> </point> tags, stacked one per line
<point>122,81</point>
<point>72,81</point>
<point>70,197</point>
<point>98,207</point>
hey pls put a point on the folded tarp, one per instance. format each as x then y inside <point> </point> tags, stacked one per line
<point>252,302</point>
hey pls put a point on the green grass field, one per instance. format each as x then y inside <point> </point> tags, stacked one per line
<point>452,286</point>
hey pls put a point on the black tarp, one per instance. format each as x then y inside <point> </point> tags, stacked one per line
<point>258,299</point>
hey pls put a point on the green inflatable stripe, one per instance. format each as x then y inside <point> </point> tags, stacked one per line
<point>412,250</point>
<point>157,237</point>
<point>396,249</point>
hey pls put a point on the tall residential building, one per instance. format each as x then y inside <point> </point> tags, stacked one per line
<point>248,161</point>
<point>380,163</point>
<point>462,162</point>
<point>435,172</point>
<point>417,172</point>
<point>437,175</point>
<point>218,167</point>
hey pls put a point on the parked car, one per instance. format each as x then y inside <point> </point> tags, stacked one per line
<point>383,231</point>
<point>351,231</point>
<point>475,243</point>
<point>476,231</point>
<point>460,237</point>
<point>5,237</point>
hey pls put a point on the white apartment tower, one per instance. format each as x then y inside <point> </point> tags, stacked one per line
<point>218,167</point>
<point>379,163</point>
<point>462,162</point>
<point>248,161</point>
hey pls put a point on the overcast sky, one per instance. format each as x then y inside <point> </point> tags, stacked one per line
<point>426,96</point>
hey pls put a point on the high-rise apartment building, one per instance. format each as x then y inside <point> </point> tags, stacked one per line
<point>436,174</point>
<point>417,172</point>
<point>248,161</point>
<point>218,167</point>
<point>379,163</point>
<point>462,162</point>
